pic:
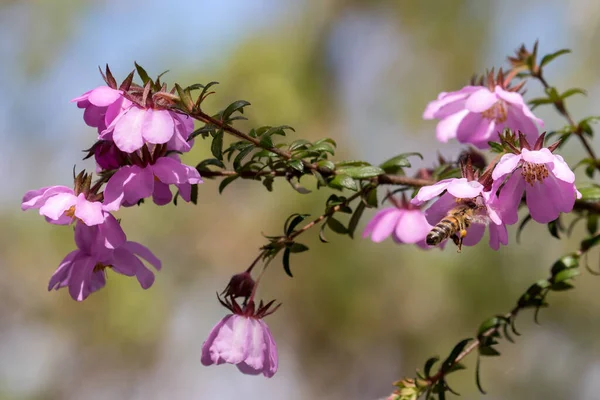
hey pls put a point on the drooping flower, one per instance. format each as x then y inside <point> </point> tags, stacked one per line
<point>243,339</point>
<point>151,178</point>
<point>546,179</point>
<point>405,222</point>
<point>96,102</point>
<point>61,205</point>
<point>83,270</point>
<point>478,114</point>
<point>460,192</point>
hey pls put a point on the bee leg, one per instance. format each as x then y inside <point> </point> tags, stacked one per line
<point>458,239</point>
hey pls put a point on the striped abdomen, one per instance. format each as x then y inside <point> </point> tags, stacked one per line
<point>445,229</point>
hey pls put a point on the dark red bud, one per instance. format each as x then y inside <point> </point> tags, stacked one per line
<point>240,285</point>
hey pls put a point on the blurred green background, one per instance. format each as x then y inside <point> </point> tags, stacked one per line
<point>357,315</point>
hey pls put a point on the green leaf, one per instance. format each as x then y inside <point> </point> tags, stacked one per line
<point>371,199</point>
<point>549,57</point>
<point>326,164</point>
<point>478,375</point>
<point>429,364</point>
<point>589,192</point>
<point>286,262</point>
<point>336,226</point>
<point>185,97</point>
<point>226,182</point>
<point>496,147</point>
<point>216,146</point>
<point>297,187</point>
<point>488,351</point>
<point>534,103</point>
<point>209,161</point>
<point>362,172</point>
<point>572,92</point>
<point>233,107</point>
<point>143,74</point>
<point>488,324</point>
<point>566,262</point>
<point>326,147</point>
<point>194,194</point>
<point>292,222</point>
<point>399,161</point>
<point>298,165</point>
<point>298,248</point>
<point>299,144</point>
<point>241,155</point>
<point>341,181</point>
<point>322,234</point>
<point>590,242</point>
<point>552,93</point>
<point>352,163</point>
<point>356,218</point>
<point>553,228</point>
<point>447,364</point>
<point>566,275</point>
<point>205,91</point>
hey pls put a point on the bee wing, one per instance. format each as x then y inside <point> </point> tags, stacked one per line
<point>480,219</point>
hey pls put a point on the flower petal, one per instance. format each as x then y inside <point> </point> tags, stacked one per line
<point>104,96</point>
<point>446,129</point>
<point>207,355</point>
<point>475,129</point>
<point>162,194</point>
<point>56,205</point>
<point>412,227</point>
<point>562,171</point>
<point>112,233</point>
<point>90,212</point>
<point>510,198</point>
<point>231,345</point>
<point>461,188</point>
<point>498,235</point>
<point>158,126</point>
<point>256,359</point>
<point>440,208</point>
<point>427,193</point>
<point>144,252</point>
<point>127,133</point>
<point>386,224</point>
<point>474,234</point>
<point>507,164</point>
<point>37,198</point>
<point>539,197</point>
<point>516,99</point>
<point>542,156</point>
<point>60,277</point>
<point>446,103</point>
<point>481,100</point>
<point>128,185</point>
<point>80,279</point>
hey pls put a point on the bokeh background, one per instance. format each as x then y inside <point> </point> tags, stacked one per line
<point>357,315</point>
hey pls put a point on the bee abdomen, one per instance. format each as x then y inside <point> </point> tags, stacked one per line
<point>443,230</point>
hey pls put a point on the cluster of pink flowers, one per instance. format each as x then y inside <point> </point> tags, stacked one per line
<point>478,115</point>
<point>136,155</point>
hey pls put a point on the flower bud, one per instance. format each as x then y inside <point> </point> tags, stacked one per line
<point>240,285</point>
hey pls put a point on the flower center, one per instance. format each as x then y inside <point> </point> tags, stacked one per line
<point>70,212</point>
<point>534,172</point>
<point>497,112</point>
<point>101,267</point>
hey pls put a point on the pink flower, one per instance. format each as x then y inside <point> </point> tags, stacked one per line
<point>460,192</point>
<point>546,179</point>
<point>477,114</point>
<point>243,339</point>
<point>131,126</point>
<point>96,103</point>
<point>107,156</point>
<point>60,205</point>
<point>83,270</point>
<point>404,222</point>
<point>132,183</point>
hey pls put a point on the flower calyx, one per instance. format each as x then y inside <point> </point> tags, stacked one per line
<point>248,307</point>
<point>491,80</point>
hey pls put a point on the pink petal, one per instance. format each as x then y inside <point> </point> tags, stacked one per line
<point>128,185</point>
<point>111,232</point>
<point>412,226</point>
<point>158,126</point>
<point>481,100</point>
<point>81,98</point>
<point>86,237</point>
<point>207,358</point>
<point>125,262</point>
<point>94,116</point>
<point>516,99</point>
<point>56,205</point>
<point>386,225</point>
<point>232,342</point>
<point>440,208</point>
<point>60,277</point>
<point>540,201</point>
<point>143,252</point>
<point>144,276</point>
<point>461,188</point>
<point>474,128</point>
<point>170,171</point>
<point>498,234</point>
<point>185,191</point>
<point>510,198</point>
<point>446,103</point>
<point>517,121</point>
<point>37,198</point>
<point>80,278</point>
<point>562,171</point>
<point>89,212</point>
<point>446,129</point>
<point>474,234</point>
<point>115,112</point>
<point>104,96</point>
<point>507,164</point>
<point>127,134</point>
<point>256,359</point>
<point>542,156</point>
<point>427,193</point>
<point>162,194</point>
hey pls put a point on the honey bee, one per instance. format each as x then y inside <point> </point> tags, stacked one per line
<point>455,224</point>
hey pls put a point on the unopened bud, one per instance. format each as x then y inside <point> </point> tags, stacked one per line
<point>240,285</point>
